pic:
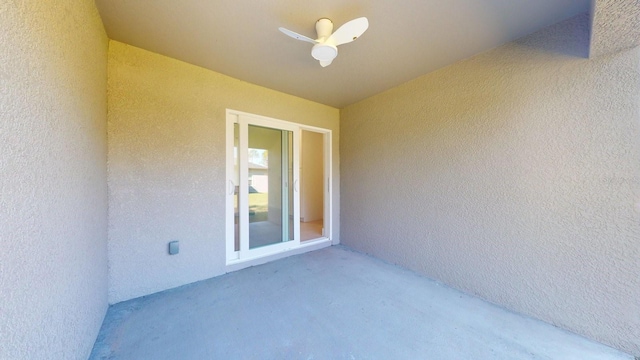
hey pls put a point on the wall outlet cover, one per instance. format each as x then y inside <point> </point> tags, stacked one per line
<point>174,247</point>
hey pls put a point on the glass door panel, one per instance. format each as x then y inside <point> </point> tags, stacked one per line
<point>292,184</point>
<point>234,183</point>
<point>269,177</point>
<point>263,168</point>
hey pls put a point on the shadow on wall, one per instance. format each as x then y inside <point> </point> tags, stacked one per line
<point>550,41</point>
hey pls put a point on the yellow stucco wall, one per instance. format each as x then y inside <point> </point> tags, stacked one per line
<point>513,175</point>
<point>167,165</point>
<point>53,189</point>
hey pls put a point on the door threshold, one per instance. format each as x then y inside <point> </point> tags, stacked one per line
<point>304,247</point>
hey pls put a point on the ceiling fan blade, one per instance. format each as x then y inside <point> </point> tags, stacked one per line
<point>325,63</point>
<point>297,36</point>
<point>349,31</point>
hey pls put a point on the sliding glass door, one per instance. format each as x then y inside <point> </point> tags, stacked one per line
<point>270,174</point>
<point>264,187</point>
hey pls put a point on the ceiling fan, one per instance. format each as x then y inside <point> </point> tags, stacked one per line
<point>325,47</point>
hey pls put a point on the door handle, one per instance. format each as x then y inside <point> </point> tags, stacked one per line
<point>295,185</point>
<point>232,187</point>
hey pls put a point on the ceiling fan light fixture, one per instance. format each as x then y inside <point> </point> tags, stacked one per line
<point>324,52</point>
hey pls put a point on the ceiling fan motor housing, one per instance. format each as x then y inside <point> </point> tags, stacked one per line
<point>324,28</point>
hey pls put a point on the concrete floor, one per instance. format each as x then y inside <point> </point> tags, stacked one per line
<point>329,304</point>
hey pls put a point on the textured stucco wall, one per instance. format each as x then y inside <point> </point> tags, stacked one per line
<point>166,130</point>
<point>615,26</point>
<point>53,178</point>
<point>513,175</point>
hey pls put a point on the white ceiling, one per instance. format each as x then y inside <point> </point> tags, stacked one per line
<point>405,39</point>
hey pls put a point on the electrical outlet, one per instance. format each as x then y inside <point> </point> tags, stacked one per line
<point>174,247</point>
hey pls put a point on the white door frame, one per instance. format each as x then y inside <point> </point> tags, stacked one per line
<point>246,255</point>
